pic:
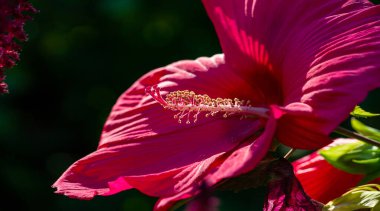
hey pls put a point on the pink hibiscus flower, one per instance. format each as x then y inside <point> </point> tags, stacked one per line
<point>297,67</point>
<point>12,19</point>
<point>322,181</point>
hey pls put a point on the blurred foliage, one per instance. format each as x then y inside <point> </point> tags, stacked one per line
<point>80,57</point>
<point>366,197</point>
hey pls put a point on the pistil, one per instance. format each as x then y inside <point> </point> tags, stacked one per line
<point>189,105</point>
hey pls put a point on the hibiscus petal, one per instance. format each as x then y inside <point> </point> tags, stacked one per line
<point>242,160</point>
<point>142,144</point>
<point>321,53</point>
<point>164,204</point>
<point>136,114</point>
<point>247,157</point>
<point>320,180</point>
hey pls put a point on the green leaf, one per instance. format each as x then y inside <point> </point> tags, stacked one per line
<point>359,112</point>
<point>365,130</point>
<point>362,197</point>
<point>354,158</point>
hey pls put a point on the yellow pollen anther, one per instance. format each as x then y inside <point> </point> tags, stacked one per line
<point>187,102</point>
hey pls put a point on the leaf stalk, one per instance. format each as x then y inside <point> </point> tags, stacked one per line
<point>351,134</point>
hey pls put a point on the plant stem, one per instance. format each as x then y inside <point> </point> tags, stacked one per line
<point>350,134</point>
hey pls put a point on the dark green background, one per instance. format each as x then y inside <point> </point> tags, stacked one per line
<point>80,57</point>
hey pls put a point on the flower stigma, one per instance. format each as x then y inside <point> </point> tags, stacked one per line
<point>189,105</point>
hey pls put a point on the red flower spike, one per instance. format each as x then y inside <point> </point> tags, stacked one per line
<point>12,19</point>
<point>307,64</point>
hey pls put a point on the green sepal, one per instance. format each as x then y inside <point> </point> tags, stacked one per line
<point>362,197</point>
<point>365,130</point>
<point>354,158</point>
<point>368,161</point>
<point>359,112</point>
